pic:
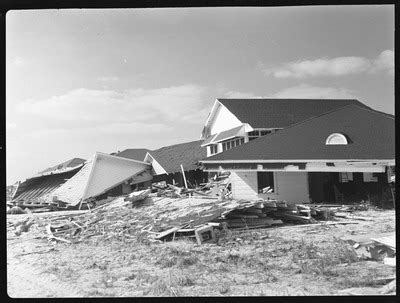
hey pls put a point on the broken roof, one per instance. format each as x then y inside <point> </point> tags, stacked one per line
<point>280,113</point>
<point>34,188</point>
<point>100,174</point>
<point>187,154</point>
<point>134,153</point>
<point>63,166</point>
<point>371,135</point>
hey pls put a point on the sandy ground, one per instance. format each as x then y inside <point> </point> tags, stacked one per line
<point>270,262</point>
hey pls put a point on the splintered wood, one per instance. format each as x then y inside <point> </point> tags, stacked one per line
<point>156,219</point>
<point>145,217</point>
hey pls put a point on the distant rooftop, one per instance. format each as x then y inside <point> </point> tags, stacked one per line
<point>134,153</point>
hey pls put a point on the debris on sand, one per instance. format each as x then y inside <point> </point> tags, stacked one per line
<point>168,215</point>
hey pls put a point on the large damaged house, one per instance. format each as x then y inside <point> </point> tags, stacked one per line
<point>233,122</point>
<point>345,153</point>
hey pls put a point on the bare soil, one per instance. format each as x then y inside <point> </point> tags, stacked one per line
<point>288,261</point>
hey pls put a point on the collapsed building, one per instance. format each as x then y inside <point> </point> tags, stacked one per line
<point>102,176</point>
<point>33,190</point>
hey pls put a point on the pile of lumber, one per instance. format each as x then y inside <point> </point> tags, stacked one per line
<point>264,213</point>
<point>151,217</point>
<point>219,186</point>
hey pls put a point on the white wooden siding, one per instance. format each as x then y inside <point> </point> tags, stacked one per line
<point>244,185</point>
<point>289,186</point>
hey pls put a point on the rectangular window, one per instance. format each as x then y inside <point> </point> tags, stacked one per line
<point>369,177</point>
<point>345,177</point>
<point>213,149</point>
<point>265,182</point>
<point>265,132</point>
<point>232,143</point>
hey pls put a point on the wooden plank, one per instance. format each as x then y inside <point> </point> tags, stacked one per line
<point>166,233</point>
<point>184,177</point>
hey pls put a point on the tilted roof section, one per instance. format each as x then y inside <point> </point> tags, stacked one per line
<point>63,166</point>
<point>134,153</point>
<point>32,189</point>
<point>371,135</point>
<point>187,154</point>
<point>280,113</point>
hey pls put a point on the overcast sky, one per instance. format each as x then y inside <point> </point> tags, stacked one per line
<point>80,81</point>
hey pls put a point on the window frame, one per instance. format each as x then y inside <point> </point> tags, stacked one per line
<point>212,147</point>
<point>272,177</point>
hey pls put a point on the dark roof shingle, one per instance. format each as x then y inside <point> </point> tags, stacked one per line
<point>134,153</point>
<point>187,154</point>
<point>371,135</point>
<point>280,113</point>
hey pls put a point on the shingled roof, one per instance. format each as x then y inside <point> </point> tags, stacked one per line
<point>34,188</point>
<point>371,135</point>
<point>187,154</point>
<point>134,153</point>
<point>280,113</point>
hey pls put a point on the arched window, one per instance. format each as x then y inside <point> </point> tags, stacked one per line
<point>336,139</point>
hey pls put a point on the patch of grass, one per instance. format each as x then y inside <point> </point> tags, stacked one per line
<point>182,279</point>
<point>362,276</point>
<point>100,293</point>
<point>224,288</point>
<point>107,280</point>
<point>144,276</point>
<point>132,276</point>
<point>167,261</point>
<point>68,272</point>
<point>164,287</point>
<point>187,261</point>
<point>317,259</point>
<point>52,269</point>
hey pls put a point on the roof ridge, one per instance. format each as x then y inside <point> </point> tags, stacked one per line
<point>176,144</point>
<point>319,99</point>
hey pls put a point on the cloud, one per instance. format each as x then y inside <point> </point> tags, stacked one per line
<point>113,129</point>
<point>333,67</point>
<point>83,107</point>
<point>385,61</point>
<point>108,79</point>
<point>315,92</point>
<point>235,94</point>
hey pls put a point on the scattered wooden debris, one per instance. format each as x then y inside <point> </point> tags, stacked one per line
<point>175,212</point>
<point>374,247</point>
